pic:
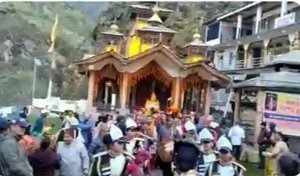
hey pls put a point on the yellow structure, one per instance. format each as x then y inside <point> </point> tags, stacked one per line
<point>145,64</point>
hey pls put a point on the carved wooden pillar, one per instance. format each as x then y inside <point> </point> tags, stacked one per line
<point>176,93</point>
<point>207,98</point>
<point>91,89</point>
<point>237,100</point>
<point>124,91</point>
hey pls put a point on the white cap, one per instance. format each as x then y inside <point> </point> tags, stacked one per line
<point>44,111</point>
<point>205,134</point>
<point>115,132</point>
<point>223,142</point>
<point>73,121</point>
<point>189,126</point>
<point>130,123</point>
<point>214,124</point>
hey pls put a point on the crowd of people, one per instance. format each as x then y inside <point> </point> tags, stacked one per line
<point>136,144</point>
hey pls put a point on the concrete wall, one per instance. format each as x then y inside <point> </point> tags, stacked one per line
<point>229,57</point>
<point>57,104</point>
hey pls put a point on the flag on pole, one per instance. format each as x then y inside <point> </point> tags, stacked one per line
<point>53,34</point>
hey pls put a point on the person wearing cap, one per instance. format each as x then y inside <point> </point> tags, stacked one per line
<point>73,154</point>
<point>28,143</point>
<point>225,165</point>
<point>13,161</point>
<point>208,154</point>
<point>134,141</point>
<point>190,130</point>
<point>114,160</point>
<point>186,156</point>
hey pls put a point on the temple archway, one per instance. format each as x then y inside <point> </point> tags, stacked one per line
<point>150,79</point>
<point>143,90</point>
<point>107,88</point>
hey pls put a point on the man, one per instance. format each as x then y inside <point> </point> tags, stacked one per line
<point>114,161</point>
<point>208,154</point>
<point>236,135</point>
<point>262,144</point>
<point>186,156</point>
<point>225,166</point>
<point>135,142</point>
<point>289,164</point>
<point>39,123</point>
<point>24,113</point>
<point>44,161</point>
<point>85,125</point>
<point>27,142</point>
<point>73,154</point>
<point>13,161</point>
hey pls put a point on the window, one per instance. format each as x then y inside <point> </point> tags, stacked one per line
<point>213,31</point>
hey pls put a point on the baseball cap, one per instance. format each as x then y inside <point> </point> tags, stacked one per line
<point>21,123</point>
<point>4,123</point>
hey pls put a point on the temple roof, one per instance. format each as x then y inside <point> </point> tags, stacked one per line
<point>159,28</point>
<point>163,56</point>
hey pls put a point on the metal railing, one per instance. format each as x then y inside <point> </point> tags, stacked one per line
<point>239,63</point>
<point>279,50</point>
<point>256,62</point>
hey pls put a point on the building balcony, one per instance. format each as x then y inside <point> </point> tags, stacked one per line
<point>279,50</point>
<point>256,62</point>
<point>240,64</point>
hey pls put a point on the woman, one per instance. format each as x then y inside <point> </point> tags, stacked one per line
<point>280,146</point>
<point>74,157</point>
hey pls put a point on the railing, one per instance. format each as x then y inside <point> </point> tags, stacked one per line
<point>239,63</point>
<point>279,50</point>
<point>256,62</point>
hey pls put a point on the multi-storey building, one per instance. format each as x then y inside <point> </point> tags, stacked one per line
<point>258,46</point>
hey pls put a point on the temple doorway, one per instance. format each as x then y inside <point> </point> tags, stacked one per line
<point>144,89</point>
<point>107,94</point>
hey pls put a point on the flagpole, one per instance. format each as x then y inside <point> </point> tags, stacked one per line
<point>34,79</point>
<point>51,50</point>
<point>49,92</point>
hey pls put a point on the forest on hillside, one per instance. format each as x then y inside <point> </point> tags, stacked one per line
<point>24,36</point>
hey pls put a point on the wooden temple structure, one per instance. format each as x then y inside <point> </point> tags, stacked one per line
<point>130,71</point>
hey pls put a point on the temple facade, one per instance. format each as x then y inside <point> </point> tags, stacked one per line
<point>142,69</point>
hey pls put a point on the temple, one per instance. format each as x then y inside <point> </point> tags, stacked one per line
<point>142,68</point>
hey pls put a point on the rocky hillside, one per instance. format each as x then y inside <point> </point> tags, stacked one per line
<point>24,35</point>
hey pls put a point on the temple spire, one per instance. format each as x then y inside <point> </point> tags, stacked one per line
<point>155,17</point>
